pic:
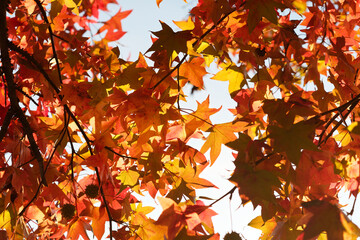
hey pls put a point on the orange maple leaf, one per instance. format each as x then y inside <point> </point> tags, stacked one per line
<point>113,26</point>
<point>194,71</point>
<point>78,228</point>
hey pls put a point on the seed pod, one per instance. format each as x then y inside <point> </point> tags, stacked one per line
<point>92,190</point>
<point>68,211</point>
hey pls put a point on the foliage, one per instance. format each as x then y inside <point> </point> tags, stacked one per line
<point>84,133</point>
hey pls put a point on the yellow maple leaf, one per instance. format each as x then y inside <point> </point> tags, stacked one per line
<point>71,4</point>
<point>233,74</point>
<point>185,25</point>
<point>221,134</point>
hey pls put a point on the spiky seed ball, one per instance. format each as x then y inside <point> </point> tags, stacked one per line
<point>68,211</point>
<point>92,190</point>
<point>232,236</point>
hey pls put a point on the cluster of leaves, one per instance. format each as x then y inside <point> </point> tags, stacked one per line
<point>84,132</point>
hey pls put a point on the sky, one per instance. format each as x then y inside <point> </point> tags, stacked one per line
<point>143,20</point>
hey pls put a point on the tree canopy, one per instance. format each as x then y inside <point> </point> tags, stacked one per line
<point>84,132</point>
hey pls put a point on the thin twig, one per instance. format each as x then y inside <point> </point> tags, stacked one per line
<point>31,201</point>
<point>263,158</point>
<point>342,107</point>
<point>71,160</point>
<point>61,38</point>
<point>33,61</point>
<point>229,192</point>
<point>27,162</point>
<point>120,155</point>
<point>191,114</point>
<point>332,119</point>
<point>105,203</point>
<point>43,13</point>
<point>62,134</point>
<point>339,123</point>
<point>27,95</point>
<point>178,85</point>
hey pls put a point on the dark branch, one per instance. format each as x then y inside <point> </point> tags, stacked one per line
<point>346,106</point>
<point>27,95</point>
<point>6,123</point>
<point>120,155</point>
<point>228,193</point>
<point>8,71</point>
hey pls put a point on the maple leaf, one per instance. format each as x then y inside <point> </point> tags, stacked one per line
<point>200,119</point>
<point>70,4</point>
<point>99,218</point>
<point>211,10</point>
<point>148,229</point>
<point>128,178</point>
<point>185,25</point>
<point>257,185</point>
<point>194,72</point>
<point>78,228</point>
<point>233,74</point>
<point>172,217</point>
<point>262,8</point>
<point>221,134</point>
<point>131,73</point>
<point>113,26</point>
<point>170,41</point>
<point>315,172</point>
<point>294,139</point>
<point>321,216</point>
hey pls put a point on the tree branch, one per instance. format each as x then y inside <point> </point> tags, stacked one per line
<point>6,123</point>
<point>30,58</point>
<point>14,101</point>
